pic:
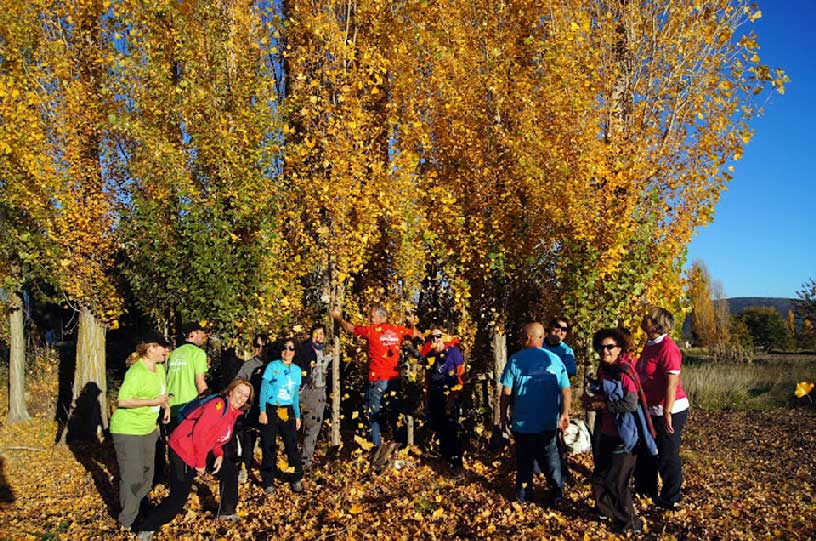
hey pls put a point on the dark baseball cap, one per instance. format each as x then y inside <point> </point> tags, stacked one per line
<point>156,338</point>
<point>191,327</point>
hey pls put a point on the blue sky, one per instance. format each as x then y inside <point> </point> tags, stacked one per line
<point>761,243</point>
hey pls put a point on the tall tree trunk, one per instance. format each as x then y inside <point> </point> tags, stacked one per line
<point>90,360</point>
<point>335,301</point>
<point>18,412</point>
<point>499,360</point>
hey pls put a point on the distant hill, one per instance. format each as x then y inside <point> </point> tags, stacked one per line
<point>781,304</point>
<point>738,304</point>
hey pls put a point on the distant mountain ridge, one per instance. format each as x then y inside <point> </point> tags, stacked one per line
<point>780,304</point>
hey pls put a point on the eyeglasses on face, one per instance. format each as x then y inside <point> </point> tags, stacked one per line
<point>288,348</point>
<point>435,337</point>
<point>608,347</point>
<point>564,328</point>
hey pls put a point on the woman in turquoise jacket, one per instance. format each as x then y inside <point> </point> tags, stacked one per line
<point>279,407</point>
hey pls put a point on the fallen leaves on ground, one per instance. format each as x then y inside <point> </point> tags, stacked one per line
<point>748,476</point>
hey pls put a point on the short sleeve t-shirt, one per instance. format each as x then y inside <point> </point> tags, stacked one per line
<point>567,356</point>
<point>657,361</point>
<point>537,377</point>
<point>628,385</point>
<point>143,384</point>
<point>184,364</point>
<point>384,343</point>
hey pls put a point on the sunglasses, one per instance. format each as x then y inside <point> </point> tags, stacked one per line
<point>608,347</point>
<point>435,337</point>
<point>288,348</point>
<point>564,328</point>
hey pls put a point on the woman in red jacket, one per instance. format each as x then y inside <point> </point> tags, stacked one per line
<point>203,432</point>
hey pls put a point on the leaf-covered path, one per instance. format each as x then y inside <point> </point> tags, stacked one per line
<point>748,476</point>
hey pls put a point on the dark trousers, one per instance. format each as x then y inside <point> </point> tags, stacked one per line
<point>181,481</point>
<point>444,417</point>
<point>269,445</point>
<point>611,482</point>
<point>538,447</point>
<point>228,485</point>
<point>667,463</point>
<point>247,437</point>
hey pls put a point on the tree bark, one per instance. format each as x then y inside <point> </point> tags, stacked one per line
<point>90,360</point>
<point>336,301</point>
<point>18,412</point>
<point>499,360</point>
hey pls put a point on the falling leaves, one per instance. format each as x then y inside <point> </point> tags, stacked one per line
<point>747,476</point>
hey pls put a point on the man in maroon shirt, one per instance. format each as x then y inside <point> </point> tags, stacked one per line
<point>384,343</point>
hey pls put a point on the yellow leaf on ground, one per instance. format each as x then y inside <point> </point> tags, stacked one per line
<point>803,388</point>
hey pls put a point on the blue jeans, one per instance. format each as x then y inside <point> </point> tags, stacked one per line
<point>540,447</point>
<point>382,404</point>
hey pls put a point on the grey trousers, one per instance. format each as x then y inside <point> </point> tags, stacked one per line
<point>313,403</point>
<point>136,457</point>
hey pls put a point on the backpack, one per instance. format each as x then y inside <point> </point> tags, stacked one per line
<point>190,408</point>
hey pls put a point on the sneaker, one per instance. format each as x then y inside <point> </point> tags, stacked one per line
<point>145,535</point>
<point>270,489</point>
<point>230,517</point>
<point>242,477</point>
<point>666,505</point>
<point>297,486</point>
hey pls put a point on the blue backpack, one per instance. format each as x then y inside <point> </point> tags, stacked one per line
<point>190,408</point>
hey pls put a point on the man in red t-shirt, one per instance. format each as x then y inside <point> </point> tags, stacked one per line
<point>384,342</point>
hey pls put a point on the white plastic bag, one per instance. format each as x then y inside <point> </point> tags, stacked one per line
<point>576,437</point>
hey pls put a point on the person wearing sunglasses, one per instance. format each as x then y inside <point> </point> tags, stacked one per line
<point>280,414</point>
<point>252,370</point>
<point>621,406</point>
<point>555,342</point>
<point>446,367</point>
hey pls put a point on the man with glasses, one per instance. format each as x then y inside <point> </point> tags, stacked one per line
<point>384,382</point>
<point>554,341</point>
<point>252,371</point>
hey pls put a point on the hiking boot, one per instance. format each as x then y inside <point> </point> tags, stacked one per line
<point>229,518</point>
<point>270,489</point>
<point>297,486</point>
<point>145,535</point>
<point>243,477</point>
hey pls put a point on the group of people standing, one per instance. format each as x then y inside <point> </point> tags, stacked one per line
<point>640,413</point>
<point>640,405</point>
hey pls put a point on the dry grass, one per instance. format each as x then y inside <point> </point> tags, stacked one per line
<point>767,383</point>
